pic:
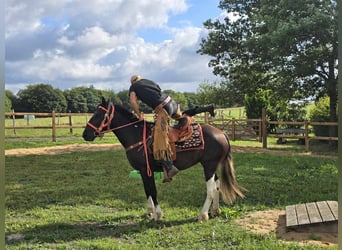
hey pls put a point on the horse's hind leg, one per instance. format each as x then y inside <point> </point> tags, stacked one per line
<point>215,211</point>
<point>211,193</point>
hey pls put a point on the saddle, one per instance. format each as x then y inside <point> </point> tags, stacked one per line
<point>182,130</point>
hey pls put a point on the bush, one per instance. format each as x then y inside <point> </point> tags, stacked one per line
<point>320,113</point>
<point>255,103</point>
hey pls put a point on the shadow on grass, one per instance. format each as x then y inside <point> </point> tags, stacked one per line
<point>66,232</point>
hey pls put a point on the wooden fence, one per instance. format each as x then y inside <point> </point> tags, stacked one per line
<point>54,124</point>
<point>237,129</point>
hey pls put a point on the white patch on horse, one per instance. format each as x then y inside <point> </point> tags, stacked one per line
<point>154,212</point>
<point>211,192</point>
<point>216,202</point>
<point>150,207</point>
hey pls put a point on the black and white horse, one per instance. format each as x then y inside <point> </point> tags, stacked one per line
<point>134,135</point>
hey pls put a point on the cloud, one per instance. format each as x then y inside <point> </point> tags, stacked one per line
<point>70,43</point>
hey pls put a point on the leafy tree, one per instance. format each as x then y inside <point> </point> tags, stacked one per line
<point>8,104</point>
<point>91,95</point>
<point>320,113</point>
<point>178,97</point>
<point>207,93</point>
<point>10,100</point>
<point>288,47</point>
<point>77,103</point>
<point>255,103</point>
<point>41,98</point>
<point>111,95</point>
<point>124,97</point>
<point>192,99</point>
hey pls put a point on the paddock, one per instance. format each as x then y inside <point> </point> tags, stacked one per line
<point>76,199</point>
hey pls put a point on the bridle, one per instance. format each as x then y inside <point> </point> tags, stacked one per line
<point>107,120</point>
<point>105,128</point>
<point>105,123</point>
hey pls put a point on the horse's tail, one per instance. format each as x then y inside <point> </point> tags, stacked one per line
<point>228,185</point>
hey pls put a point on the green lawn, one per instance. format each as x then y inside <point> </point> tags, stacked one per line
<point>86,200</point>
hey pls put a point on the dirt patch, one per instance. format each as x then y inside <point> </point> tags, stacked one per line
<point>96,147</point>
<point>61,149</point>
<point>274,221</point>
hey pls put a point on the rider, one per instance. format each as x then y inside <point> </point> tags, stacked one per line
<point>150,93</point>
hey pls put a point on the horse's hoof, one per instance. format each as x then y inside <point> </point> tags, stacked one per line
<point>203,217</point>
<point>156,218</point>
<point>214,213</point>
<point>147,215</point>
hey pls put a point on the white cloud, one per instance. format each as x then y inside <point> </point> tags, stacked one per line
<point>68,43</point>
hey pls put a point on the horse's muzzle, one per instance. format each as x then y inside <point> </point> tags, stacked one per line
<point>89,135</point>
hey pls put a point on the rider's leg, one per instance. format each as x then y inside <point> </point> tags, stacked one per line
<point>170,168</point>
<point>172,108</point>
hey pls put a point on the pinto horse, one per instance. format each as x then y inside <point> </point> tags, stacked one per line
<point>135,137</point>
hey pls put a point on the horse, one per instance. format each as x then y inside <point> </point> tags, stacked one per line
<point>135,136</point>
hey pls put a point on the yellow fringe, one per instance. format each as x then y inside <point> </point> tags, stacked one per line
<point>161,146</point>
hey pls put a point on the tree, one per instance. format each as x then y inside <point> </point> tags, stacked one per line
<point>41,98</point>
<point>91,95</point>
<point>320,113</point>
<point>8,104</point>
<point>288,47</point>
<point>207,93</point>
<point>10,100</point>
<point>124,97</point>
<point>255,103</point>
<point>192,99</point>
<point>77,103</point>
<point>178,97</point>
<point>111,95</point>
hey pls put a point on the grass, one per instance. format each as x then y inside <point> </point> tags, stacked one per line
<point>86,200</point>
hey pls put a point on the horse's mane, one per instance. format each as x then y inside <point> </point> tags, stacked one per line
<point>125,112</point>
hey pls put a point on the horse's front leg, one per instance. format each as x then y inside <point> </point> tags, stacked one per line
<point>153,209</point>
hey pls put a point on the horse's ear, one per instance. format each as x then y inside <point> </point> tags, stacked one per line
<point>104,102</point>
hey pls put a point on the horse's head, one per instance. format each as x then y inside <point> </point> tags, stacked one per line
<point>100,121</point>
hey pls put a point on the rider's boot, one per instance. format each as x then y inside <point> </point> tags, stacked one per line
<point>171,170</point>
<point>197,110</point>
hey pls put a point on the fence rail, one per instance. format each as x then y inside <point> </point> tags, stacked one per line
<point>235,128</point>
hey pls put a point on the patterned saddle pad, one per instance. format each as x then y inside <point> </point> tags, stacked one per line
<point>194,142</point>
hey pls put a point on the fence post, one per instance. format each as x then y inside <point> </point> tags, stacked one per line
<point>264,133</point>
<point>13,119</point>
<point>233,129</point>
<point>260,130</point>
<point>53,126</point>
<point>307,136</point>
<point>70,122</point>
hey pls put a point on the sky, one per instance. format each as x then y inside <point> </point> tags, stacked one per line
<point>70,43</point>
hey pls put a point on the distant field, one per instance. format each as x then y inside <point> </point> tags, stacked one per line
<point>238,112</point>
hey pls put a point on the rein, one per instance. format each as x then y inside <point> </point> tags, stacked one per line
<point>106,122</point>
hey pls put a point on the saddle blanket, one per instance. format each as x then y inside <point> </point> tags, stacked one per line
<point>195,142</point>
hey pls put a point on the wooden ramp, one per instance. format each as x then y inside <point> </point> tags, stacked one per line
<point>321,215</point>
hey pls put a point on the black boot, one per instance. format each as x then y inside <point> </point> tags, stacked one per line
<point>198,110</point>
<point>170,169</point>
